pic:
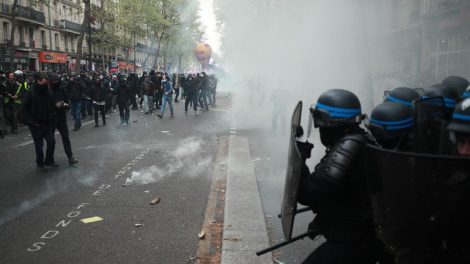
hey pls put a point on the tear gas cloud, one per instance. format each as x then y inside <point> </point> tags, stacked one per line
<point>301,48</point>
<point>184,160</point>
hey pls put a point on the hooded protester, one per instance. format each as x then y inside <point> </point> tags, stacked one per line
<point>61,105</point>
<point>76,90</point>
<point>39,113</point>
<point>123,94</point>
<point>98,95</point>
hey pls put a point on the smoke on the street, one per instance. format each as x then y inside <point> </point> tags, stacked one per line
<point>299,48</point>
<point>186,160</point>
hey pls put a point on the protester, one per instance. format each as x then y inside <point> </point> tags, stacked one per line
<point>39,114</point>
<point>167,97</point>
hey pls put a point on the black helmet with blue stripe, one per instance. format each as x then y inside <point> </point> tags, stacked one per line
<point>466,94</point>
<point>460,122</point>
<point>390,120</point>
<point>457,83</point>
<point>402,95</point>
<point>450,95</point>
<point>336,107</point>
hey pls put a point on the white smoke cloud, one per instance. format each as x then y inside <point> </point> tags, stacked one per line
<point>184,160</point>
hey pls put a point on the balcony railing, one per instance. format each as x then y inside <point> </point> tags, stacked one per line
<point>29,13</point>
<point>71,25</point>
<point>32,44</point>
<point>44,47</point>
<point>57,48</point>
<point>5,9</point>
<point>22,44</point>
<point>56,23</point>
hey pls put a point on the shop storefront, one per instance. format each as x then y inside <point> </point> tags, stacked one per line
<point>20,60</point>
<point>53,61</point>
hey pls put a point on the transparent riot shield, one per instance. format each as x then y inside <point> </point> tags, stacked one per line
<point>419,202</point>
<point>429,130</point>
<point>294,168</point>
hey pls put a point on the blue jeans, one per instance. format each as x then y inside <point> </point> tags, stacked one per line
<point>169,99</point>
<point>75,110</point>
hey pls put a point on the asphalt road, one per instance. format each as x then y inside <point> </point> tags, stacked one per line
<point>172,159</point>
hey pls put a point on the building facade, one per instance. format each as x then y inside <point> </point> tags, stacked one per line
<point>46,39</point>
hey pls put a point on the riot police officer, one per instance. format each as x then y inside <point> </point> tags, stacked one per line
<point>402,95</point>
<point>336,190</point>
<point>391,124</point>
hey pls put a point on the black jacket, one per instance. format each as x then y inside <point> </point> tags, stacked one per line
<point>76,90</point>
<point>59,95</point>
<point>123,92</point>
<point>39,108</point>
<point>337,191</point>
<point>99,91</point>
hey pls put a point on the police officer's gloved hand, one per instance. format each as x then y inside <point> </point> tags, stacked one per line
<point>313,227</point>
<point>305,149</point>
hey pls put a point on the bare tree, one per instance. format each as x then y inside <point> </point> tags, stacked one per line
<point>86,21</point>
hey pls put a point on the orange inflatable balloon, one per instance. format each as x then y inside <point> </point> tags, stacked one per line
<point>203,52</point>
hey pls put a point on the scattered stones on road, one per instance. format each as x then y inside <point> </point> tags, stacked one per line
<point>155,201</point>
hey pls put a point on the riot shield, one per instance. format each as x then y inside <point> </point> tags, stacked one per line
<point>294,169</point>
<point>419,201</point>
<point>429,130</point>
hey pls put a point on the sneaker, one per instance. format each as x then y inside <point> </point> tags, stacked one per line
<point>14,132</point>
<point>146,113</point>
<point>127,124</point>
<point>96,125</point>
<point>76,128</point>
<point>104,123</point>
<point>171,116</point>
<point>160,116</point>
<point>53,164</point>
<point>72,161</point>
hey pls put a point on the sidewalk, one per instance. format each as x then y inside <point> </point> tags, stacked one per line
<point>245,229</point>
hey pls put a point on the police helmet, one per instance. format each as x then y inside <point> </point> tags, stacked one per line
<point>336,107</point>
<point>390,120</point>
<point>402,95</point>
<point>466,94</point>
<point>456,82</point>
<point>460,122</point>
<point>451,96</point>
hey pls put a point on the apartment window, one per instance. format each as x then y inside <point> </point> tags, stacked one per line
<point>31,38</point>
<point>66,42</point>
<point>5,31</point>
<point>21,33</point>
<point>56,37</point>
<point>43,38</point>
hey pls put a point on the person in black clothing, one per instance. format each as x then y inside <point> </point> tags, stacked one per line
<point>98,95</point>
<point>114,84</point>
<point>203,87</point>
<point>133,83</point>
<point>62,104</point>
<point>190,93</point>
<point>39,114</point>
<point>123,93</point>
<point>156,79</point>
<point>336,190</point>
<point>76,90</point>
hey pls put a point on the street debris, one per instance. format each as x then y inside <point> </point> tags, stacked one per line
<point>192,259</point>
<point>135,121</point>
<point>211,220</point>
<point>146,191</point>
<point>155,201</point>
<point>202,235</point>
<point>91,219</point>
<point>138,225</point>
<point>278,262</point>
<point>233,239</point>
<point>146,124</point>
<point>268,158</point>
<point>165,132</point>
<point>257,159</point>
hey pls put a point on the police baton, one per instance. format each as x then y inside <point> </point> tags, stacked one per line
<point>299,237</point>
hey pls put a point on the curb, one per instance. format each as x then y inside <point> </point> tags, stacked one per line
<point>245,229</point>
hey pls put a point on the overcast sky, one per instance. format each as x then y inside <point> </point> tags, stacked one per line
<point>209,21</point>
